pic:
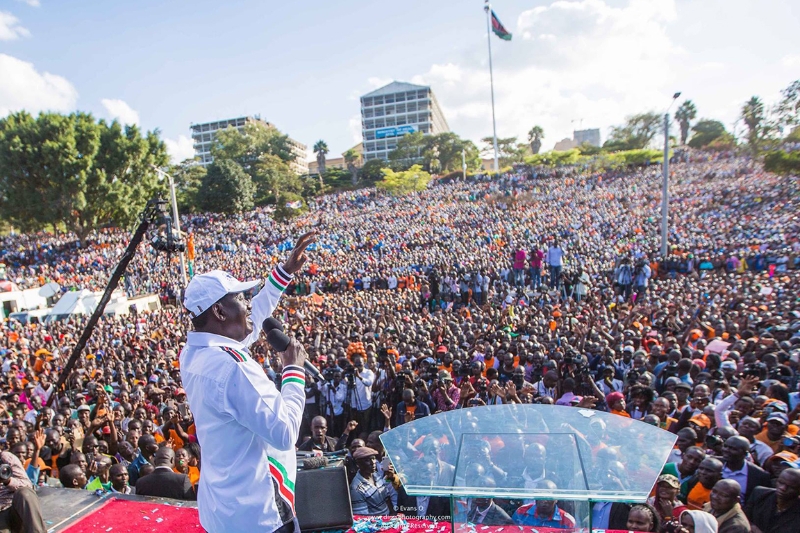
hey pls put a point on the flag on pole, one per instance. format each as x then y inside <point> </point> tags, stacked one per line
<point>499,29</point>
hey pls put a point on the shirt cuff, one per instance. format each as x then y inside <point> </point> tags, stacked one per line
<point>279,278</point>
<point>293,374</point>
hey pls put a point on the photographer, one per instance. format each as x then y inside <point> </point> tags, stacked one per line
<point>19,505</point>
<point>334,392</point>
<point>361,381</point>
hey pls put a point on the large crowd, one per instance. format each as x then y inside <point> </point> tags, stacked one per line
<point>542,286</point>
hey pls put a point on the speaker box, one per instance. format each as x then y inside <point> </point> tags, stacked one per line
<point>322,499</point>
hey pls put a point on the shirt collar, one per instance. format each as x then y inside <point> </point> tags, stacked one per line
<point>743,469</point>
<point>202,339</point>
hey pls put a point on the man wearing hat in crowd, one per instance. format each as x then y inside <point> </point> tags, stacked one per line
<point>772,435</point>
<point>665,500</point>
<point>370,494</point>
<point>446,395</point>
<point>246,426</point>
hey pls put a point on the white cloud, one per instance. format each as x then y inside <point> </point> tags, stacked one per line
<point>32,3</point>
<point>10,28</point>
<point>120,110</point>
<point>790,61</point>
<point>571,62</point>
<point>23,87</point>
<point>354,125</point>
<point>376,82</point>
<point>180,149</point>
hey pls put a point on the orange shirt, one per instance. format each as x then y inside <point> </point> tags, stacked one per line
<point>698,497</point>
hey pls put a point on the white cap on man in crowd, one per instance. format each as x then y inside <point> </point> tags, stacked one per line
<point>207,289</point>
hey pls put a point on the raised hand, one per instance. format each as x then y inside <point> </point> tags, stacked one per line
<point>38,439</point>
<point>747,385</point>
<point>298,257</point>
<point>386,411</point>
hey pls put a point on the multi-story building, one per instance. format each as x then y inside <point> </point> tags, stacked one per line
<point>203,137</point>
<point>394,110</point>
<point>591,137</point>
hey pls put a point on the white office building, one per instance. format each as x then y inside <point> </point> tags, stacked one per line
<point>591,136</point>
<point>392,111</point>
<point>203,137</point>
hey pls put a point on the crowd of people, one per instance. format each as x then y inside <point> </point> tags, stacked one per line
<point>542,286</point>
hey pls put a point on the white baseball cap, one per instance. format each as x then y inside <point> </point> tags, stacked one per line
<point>207,289</point>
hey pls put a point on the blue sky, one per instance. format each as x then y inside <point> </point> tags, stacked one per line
<point>302,65</point>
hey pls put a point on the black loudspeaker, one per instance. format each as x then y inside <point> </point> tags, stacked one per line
<point>322,499</point>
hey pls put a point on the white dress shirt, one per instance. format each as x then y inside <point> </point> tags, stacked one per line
<point>246,427</point>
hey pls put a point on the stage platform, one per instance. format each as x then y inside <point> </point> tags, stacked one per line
<point>79,511</point>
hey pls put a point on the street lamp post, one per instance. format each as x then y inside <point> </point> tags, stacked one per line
<point>665,182</point>
<point>464,163</point>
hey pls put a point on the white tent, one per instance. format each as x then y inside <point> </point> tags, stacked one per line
<point>84,302</point>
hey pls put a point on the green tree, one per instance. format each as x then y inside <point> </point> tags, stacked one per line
<point>637,132</point>
<point>247,145</point>
<point>782,162</point>
<point>788,109</point>
<point>403,182</point>
<point>321,149</point>
<point>755,118</point>
<point>535,137</point>
<point>589,149</point>
<point>685,114</point>
<point>274,179</point>
<point>372,171</point>
<point>409,150</point>
<point>226,188</point>
<point>706,131</point>
<point>351,157</point>
<point>74,170</point>
<point>508,150</point>
<point>188,177</point>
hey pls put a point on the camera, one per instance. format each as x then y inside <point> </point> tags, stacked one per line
<point>758,370</point>
<point>671,370</point>
<point>633,376</point>
<point>5,472</point>
<point>329,373</point>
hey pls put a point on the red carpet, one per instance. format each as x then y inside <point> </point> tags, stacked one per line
<point>119,516</point>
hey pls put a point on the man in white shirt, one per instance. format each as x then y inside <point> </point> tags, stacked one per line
<point>554,259</point>
<point>361,400</point>
<point>247,428</point>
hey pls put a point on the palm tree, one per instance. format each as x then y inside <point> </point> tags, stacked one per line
<point>685,114</point>
<point>754,117</point>
<point>350,159</point>
<point>535,137</point>
<point>321,149</point>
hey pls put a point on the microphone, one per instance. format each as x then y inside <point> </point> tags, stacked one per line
<point>280,341</point>
<point>312,463</point>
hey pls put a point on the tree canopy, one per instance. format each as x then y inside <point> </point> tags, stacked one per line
<point>428,150</point>
<point>637,132</point>
<point>405,181</point>
<point>226,188</point>
<point>535,136</point>
<point>685,114</point>
<point>705,132</point>
<point>74,170</point>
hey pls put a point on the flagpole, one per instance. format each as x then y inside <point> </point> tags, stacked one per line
<point>488,9</point>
